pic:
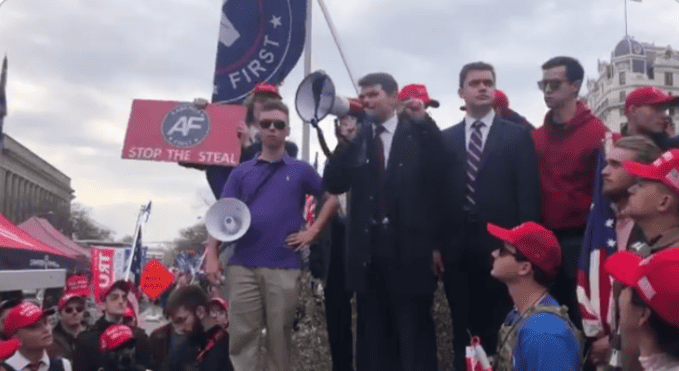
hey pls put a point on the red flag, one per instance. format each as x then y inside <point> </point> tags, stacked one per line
<point>103,272</point>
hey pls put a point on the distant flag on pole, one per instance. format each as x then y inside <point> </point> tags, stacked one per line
<point>3,100</point>
<point>259,41</point>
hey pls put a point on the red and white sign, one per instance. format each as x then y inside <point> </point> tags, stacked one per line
<point>103,273</point>
<point>182,132</point>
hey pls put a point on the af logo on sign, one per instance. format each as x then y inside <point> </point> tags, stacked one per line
<point>259,40</point>
<point>186,126</point>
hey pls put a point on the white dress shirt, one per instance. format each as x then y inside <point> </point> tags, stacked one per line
<point>20,363</point>
<point>469,121</point>
<point>387,136</point>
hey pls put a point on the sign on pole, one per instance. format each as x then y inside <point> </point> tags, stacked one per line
<point>155,279</point>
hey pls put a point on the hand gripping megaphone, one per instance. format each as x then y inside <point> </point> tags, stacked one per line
<point>228,219</point>
<point>316,98</point>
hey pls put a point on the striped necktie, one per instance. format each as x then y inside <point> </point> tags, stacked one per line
<point>474,152</point>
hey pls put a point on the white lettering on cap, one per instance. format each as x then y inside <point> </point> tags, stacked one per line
<point>646,288</point>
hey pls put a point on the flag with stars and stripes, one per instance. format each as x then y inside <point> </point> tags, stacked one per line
<point>594,285</point>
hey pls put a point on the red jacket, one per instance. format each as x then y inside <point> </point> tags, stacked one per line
<point>567,159</point>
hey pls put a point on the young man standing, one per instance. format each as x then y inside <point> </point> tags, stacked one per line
<point>648,305</point>
<point>262,275</point>
<point>567,146</point>
<point>537,334</point>
<point>29,324</point>
<point>114,300</point>
<point>70,325</point>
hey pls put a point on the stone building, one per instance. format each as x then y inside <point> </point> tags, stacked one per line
<point>632,65</point>
<point>29,186</point>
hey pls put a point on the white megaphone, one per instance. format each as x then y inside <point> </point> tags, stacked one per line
<point>228,219</point>
<point>316,98</point>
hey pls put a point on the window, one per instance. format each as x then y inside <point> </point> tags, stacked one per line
<point>622,78</point>
<point>622,96</point>
<point>669,79</point>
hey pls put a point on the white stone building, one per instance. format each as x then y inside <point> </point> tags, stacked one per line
<point>633,64</point>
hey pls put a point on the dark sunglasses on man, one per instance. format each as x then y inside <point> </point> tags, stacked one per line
<point>553,85</point>
<point>77,309</point>
<point>278,124</point>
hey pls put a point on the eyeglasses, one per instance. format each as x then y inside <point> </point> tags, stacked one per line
<point>70,310</point>
<point>553,85</point>
<point>278,124</point>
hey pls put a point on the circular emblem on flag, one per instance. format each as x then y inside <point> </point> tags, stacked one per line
<point>254,39</point>
<point>186,126</point>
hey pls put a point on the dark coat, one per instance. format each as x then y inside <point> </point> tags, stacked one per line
<point>63,345</point>
<point>216,359</point>
<point>412,191</point>
<point>507,183</point>
<point>88,358</point>
<point>159,343</point>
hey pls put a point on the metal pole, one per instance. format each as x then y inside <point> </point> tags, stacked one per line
<point>307,70</point>
<point>134,244</point>
<point>333,32</point>
<point>625,17</point>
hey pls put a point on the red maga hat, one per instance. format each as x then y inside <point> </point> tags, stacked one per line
<point>655,279</point>
<point>222,303</point>
<point>114,337</point>
<point>649,95</point>
<point>537,243</point>
<point>265,87</point>
<point>23,315</point>
<point>7,348</point>
<point>417,91</point>
<point>500,100</point>
<point>78,284</point>
<point>664,170</point>
<point>67,297</point>
<point>120,284</point>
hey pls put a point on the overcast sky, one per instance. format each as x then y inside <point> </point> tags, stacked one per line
<point>76,65</point>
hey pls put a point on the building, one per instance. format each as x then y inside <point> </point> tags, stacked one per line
<point>29,186</point>
<point>633,64</point>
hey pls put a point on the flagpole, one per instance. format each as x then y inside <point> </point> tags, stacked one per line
<point>333,32</point>
<point>137,229</point>
<point>306,134</point>
<point>626,17</point>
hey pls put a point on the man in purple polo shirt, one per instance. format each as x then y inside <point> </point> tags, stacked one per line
<point>263,271</point>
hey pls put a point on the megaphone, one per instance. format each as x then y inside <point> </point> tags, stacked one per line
<point>228,219</point>
<point>316,98</point>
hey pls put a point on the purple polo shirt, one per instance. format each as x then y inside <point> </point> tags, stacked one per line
<point>277,208</point>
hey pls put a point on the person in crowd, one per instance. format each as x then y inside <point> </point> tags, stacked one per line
<point>502,110</point>
<point>115,301</point>
<point>646,109</point>
<point>567,146</point>
<point>5,306</point>
<point>393,168</point>
<point>218,309</point>
<point>492,177</point>
<point>262,277</point>
<point>648,305</point>
<point>29,324</point>
<point>117,347</point>
<point>70,325</point>
<point>537,334</point>
<point>602,330</point>
<point>206,347</point>
<point>7,349</point>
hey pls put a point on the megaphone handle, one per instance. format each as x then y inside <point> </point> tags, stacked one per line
<point>321,141</point>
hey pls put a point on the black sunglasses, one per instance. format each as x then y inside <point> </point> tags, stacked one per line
<point>70,310</point>
<point>278,124</point>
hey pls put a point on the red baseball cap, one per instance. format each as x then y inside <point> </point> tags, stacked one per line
<point>537,243</point>
<point>649,95</point>
<point>664,170</point>
<point>78,284</point>
<point>120,284</point>
<point>66,298</point>
<point>500,100</point>
<point>23,315</point>
<point>222,303</point>
<point>129,313</point>
<point>7,348</point>
<point>655,279</point>
<point>265,87</point>
<point>417,91</point>
<point>115,337</point>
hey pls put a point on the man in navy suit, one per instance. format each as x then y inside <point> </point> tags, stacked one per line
<point>394,174</point>
<point>492,177</point>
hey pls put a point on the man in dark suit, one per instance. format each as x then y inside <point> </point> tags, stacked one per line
<point>492,177</point>
<point>392,170</point>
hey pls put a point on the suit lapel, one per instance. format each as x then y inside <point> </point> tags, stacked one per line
<point>492,142</point>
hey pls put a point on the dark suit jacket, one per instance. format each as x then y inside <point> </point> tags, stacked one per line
<point>413,193</point>
<point>507,183</point>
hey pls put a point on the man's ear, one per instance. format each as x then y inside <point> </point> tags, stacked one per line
<point>526,268</point>
<point>645,318</point>
<point>201,312</point>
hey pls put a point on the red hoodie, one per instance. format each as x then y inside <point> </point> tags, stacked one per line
<point>567,159</point>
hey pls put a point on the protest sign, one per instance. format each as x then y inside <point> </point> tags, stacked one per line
<point>155,279</point>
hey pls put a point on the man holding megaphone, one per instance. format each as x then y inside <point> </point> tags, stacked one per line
<point>263,271</point>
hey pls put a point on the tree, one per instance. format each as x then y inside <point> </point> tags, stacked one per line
<point>190,238</point>
<point>86,228</point>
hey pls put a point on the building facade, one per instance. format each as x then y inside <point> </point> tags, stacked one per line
<point>632,65</point>
<point>31,186</point>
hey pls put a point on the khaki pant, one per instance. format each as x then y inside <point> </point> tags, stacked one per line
<point>261,298</point>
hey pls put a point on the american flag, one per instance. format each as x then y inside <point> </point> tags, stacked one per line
<point>594,285</point>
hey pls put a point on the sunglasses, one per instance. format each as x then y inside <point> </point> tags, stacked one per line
<point>70,310</point>
<point>278,124</point>
<point>553,85</point>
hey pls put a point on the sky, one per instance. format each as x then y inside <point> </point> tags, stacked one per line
<point>76,65</point>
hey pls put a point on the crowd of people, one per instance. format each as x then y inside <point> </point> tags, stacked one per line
<point>496,209</point>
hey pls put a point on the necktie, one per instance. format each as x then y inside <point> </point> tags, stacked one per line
<point>379,207</point>
<point>474,152</point>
